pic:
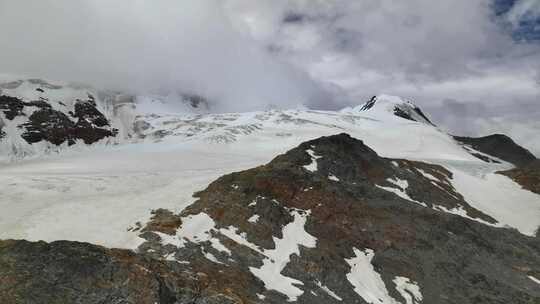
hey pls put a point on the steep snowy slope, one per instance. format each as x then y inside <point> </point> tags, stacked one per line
<point>165,148</point>
<point>39,118</point>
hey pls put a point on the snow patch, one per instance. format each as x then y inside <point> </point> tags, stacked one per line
<point>463,213</point>
<point>197,229</point>
<point>427,175</point>
<point>167,239</point>
<point>500,197</point>
<point>312,167</point>
<point>409,290</point>
<point>211,257</point>
<point>401,190</point>
<point>240,238</point>
<point>401,183</point>
<point>328,291</point>
<point>294,236</point>
<point>254,219</point>
<point>366,281</point>
<point>537,281</point>
<point>332,177</point>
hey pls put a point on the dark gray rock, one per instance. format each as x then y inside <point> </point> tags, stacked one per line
<point>56,127</point>
<point>71,272</point>
<point>500,146</point>
<point>2,125</point>
<point>11,106</point>
<point>49,125</point>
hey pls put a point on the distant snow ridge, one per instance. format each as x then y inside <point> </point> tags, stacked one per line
<point>178,118</point>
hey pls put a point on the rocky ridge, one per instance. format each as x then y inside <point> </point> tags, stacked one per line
<point>499,146</point>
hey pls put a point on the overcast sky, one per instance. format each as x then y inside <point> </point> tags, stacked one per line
<point>473,64</point>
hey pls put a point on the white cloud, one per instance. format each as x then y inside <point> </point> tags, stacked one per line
<point>143,45</point>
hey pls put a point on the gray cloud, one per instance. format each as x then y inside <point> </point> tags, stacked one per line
<point>248,54</point>
<point>524,9</point>
<point>518,120</point>
<point>143,45</point>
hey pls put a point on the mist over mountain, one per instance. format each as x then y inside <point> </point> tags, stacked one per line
<point>246,55</point>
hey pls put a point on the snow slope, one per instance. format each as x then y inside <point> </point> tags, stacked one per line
<point>96,193</point>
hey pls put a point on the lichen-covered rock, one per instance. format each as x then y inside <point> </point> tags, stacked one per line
<point>71,272</point>
<point>528,176</point>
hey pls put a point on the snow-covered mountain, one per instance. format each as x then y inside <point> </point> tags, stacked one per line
<point>120,171</point>
<point>40,117</point>
<point>384,104</point>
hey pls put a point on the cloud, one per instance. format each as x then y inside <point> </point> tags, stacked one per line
<point>518,120</point>
<point>524,10</point>
<point>143,45</point>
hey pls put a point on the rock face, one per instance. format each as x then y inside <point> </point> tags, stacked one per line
<point>45,123</point>
<point>11,106</point>
<point>500,146</point>
<point>71,272</point>
<point>330,221</point>
<point>2,132</point>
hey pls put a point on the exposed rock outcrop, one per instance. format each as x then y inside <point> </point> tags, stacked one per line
<point>44,123</point>
<point>11,106</point>
<point>528,176</point>
<point>71,272</point>
<point>500,146</point>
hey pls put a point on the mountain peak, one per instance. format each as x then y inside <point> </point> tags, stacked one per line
<point>397,106</point>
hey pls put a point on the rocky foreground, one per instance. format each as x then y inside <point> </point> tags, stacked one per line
<point>328,222</point>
